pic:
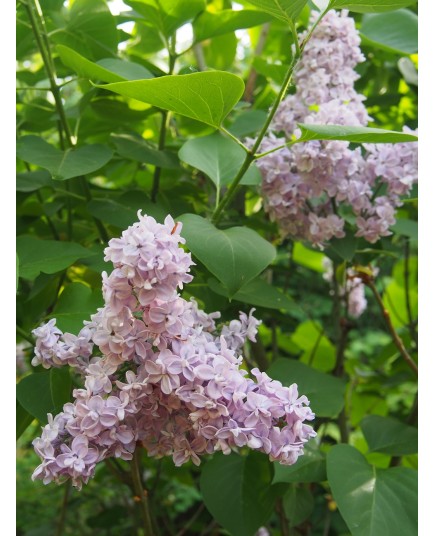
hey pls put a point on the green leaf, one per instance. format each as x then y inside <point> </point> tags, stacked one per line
<point>325,392</point>
<point>76,303</point>
<point>63,165</point>
<point>314,260</point>
<point>319,352</point>
<point>45,392</point>
<point>207,97</point>
<point>135,148</point>
<point>247,481</point>
<point>208,24</point>
<point>33,180</point>
<point>353,134</point>
<point>248,122</point>
<point>235,256</point>
<point>393,32</point>
<point>106,70</point>
<point>311,467</point>
<point>122,212</point>
<point>257,292</point>
<point>345,248</point>
<point>48,256</point>
<point>372,501</point>
<point>409,72</point>
<point>167,15</point>
<point>406,227</point>
<point>60,387</point>
<point>90,29</point>
<point>298,504</point>
<point>395,302</point>
<point>370,6</point>
<point>389,436</point>
<point>285,10</point>
<point>219,157</point>
<point>23,420</point>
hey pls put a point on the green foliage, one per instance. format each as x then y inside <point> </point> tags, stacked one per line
<point>119,134</point>
<point>372,501</point>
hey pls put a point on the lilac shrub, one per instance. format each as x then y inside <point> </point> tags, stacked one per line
<point>158,372</point>
<point>304,186</point>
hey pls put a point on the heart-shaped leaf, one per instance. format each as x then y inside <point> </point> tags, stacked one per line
<point>219,157</point>
<point>235,256</point>
<point>207,97</point>
<point>63,165</point>
<point>352,134</point>
<point>372,501</point>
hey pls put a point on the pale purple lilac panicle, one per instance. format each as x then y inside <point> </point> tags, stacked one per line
<point>159,373</point>
<point>303,187</point>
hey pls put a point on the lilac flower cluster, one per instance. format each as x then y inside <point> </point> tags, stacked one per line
<point>304,186</point>
<point>167,379</point>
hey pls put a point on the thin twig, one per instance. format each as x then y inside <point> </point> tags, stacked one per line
<point>411,323</point>
<point>191,520</point>
<point>396,338</point>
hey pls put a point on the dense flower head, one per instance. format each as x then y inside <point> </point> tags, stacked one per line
<point>303,187</point>
<point>158,372</point>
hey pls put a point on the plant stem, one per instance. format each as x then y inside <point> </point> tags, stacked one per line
<point>141,494</point>
<point>284,524</point>
<point>63,510</point>
<point>396,338</point>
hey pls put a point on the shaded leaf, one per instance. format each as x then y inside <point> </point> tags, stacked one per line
<point>48,256</point>
<point>285,10</point>
<point>23,420</point>
<point>247,481</point>
<point>137,149</point>
<point>325,392</point>
<point>311,467</point>
<point>389,436</point>
<point>76,303</point>
<point>63,165</point>
<point>370,6</point>
<point>394,32</point>
<point>257,292</point>
<point>211,24</point>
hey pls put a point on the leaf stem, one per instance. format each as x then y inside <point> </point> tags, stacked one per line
<point>63,509</point>
<point>25,335</point>
<point>141,494</point>
<point>250,156</point>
